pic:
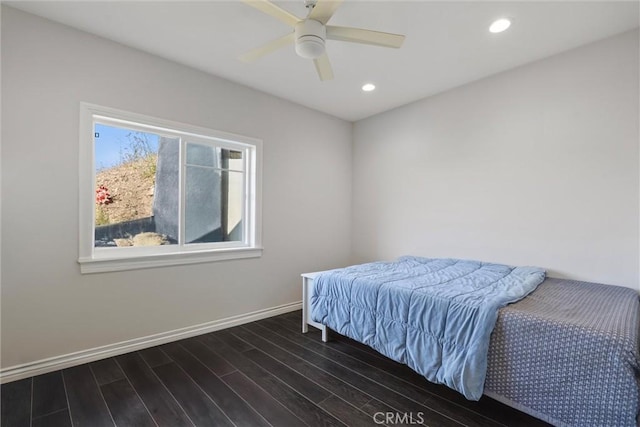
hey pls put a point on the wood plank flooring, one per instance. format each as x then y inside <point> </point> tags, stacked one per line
<point>265,373</point>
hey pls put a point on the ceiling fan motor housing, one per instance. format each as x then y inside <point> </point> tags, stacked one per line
<point>310,36</point>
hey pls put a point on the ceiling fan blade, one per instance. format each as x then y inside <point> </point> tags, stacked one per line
<point>273,10</point>
<point>324,10</point>
<point>357,35</point>
<point>273,45</point>
<point>323,67</point>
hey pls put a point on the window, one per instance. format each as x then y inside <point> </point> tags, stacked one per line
<point>157,193</point>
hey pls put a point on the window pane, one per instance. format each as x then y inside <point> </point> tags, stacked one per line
<point>234,160</point>
<point>214,157</point>
<point>136,191</point>
<point>213,205</point>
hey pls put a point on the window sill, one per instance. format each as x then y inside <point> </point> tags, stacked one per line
<point>103,265</point>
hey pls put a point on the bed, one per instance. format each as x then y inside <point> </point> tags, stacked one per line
<point>567,352</point>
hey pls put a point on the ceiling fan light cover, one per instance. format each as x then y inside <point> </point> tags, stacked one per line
<point>310,47</point>
<point>310,36</point>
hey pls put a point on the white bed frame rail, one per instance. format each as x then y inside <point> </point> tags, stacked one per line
<point>307,287</point>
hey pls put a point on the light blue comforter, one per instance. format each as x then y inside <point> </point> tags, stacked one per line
<point>435,315</point>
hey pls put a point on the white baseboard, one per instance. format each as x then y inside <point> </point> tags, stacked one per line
<point>55,363</point>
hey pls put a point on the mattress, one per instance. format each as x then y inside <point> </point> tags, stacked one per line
<point>568,354</point>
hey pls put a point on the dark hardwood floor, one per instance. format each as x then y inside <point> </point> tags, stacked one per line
<point>265,373</point>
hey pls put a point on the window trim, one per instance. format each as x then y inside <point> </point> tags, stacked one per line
<point>147,257</point>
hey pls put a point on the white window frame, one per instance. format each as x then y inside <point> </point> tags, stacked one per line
<point>97,260</point>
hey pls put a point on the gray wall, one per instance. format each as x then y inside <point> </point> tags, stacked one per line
<point>48,307</point>
<point>166,203</point>
<point>538,165</point>
<point>202,196</point>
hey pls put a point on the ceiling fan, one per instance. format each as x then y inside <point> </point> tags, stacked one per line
<point>310,34</point>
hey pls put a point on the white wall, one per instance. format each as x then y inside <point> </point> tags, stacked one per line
<point>534,166</point>
<point>48,307</point>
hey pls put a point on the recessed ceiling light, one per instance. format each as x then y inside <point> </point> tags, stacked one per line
<point>368,87</point>
<point>500,25</point>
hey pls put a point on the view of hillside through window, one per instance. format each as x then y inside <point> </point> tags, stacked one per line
<point>139,200</point>
<point>126,163</point>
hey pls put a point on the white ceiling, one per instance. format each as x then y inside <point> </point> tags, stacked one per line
<point>448,43</point>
